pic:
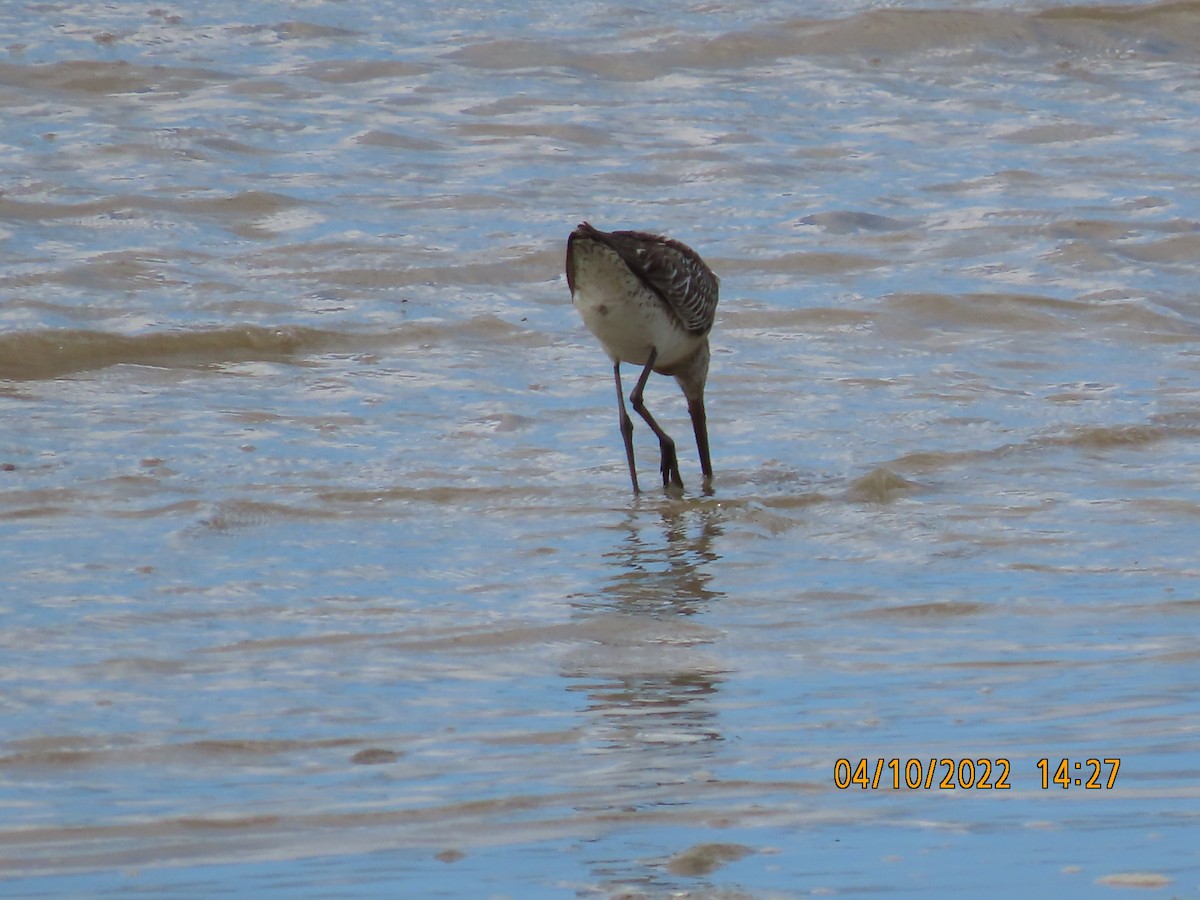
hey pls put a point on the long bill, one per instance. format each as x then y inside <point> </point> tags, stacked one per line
<point>700,427</point>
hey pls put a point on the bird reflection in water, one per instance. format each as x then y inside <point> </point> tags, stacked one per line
<point>649,670</point>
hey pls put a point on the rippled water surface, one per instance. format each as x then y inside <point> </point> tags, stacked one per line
<point>321,573</point>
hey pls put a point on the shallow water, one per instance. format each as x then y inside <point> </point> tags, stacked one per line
<point>322,575</point>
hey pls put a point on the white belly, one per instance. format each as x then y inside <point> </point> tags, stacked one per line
<point>629,319</point>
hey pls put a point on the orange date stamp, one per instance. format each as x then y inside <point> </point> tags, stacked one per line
<point>967,773</point>
<point>934,773</point>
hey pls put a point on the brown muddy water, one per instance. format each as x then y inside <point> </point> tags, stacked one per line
<point>321,572</point>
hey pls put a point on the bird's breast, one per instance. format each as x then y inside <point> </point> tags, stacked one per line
<point>626,316</point>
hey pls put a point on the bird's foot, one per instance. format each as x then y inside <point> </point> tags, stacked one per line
<point>670,467</point>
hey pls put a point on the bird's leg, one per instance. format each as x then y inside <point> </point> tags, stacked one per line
<point>700,426</point>
<point>670,464</point>
<point>626,427</point>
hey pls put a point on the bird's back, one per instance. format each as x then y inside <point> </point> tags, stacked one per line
<point>670,269</point>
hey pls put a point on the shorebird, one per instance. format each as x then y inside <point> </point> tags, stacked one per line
<point>650,300</point>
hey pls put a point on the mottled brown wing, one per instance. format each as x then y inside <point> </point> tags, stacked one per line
<point>675,272</point>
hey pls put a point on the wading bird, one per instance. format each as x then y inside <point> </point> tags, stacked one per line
<point>650,300</point>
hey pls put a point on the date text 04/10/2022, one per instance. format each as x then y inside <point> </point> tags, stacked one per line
<point>947,773</point>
